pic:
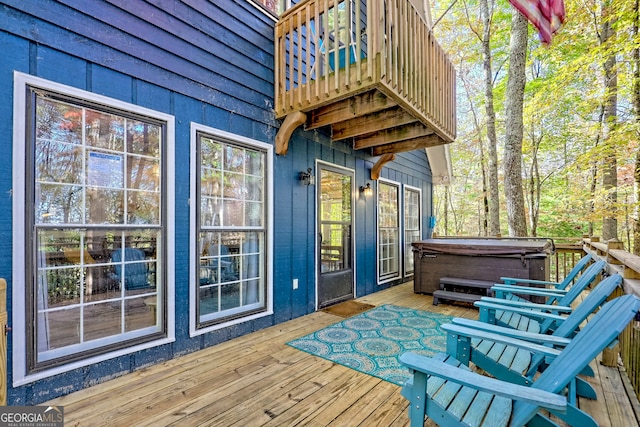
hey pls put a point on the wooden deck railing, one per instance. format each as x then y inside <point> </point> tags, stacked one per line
<point>618,261</point>
<point>328,50</point>
<point>628,265</point>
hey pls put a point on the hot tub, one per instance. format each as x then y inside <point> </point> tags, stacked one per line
<point>479,259</point>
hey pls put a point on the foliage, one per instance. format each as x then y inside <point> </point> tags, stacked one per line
<point>564,95</point>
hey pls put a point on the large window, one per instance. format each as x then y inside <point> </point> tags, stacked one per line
<point>388,231</point>
<point>411,225</point>
<point>231,239</point>
<point>95,214</point>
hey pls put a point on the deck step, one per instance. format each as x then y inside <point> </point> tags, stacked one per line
<point>467,283</point>
<point>454,296</point>
<point>458,289</point>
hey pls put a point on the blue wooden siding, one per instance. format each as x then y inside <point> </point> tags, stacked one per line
<point>204,62</point>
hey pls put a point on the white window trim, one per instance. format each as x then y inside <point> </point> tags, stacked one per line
<point>400,231</point>
<point>193,235</point>
<point>403,228</point>
<point>264,10</point>
<point>19,331</point>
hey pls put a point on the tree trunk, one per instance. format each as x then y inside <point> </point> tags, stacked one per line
<point>445,223</point>
<point>494,194</point>
<point>610,166</point>
<point>534,185</point>
<point>484,215</point>
<point>514,127</point>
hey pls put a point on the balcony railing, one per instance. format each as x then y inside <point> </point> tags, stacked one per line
<point>371,69</point>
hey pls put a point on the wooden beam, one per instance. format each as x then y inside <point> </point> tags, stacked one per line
<point>402,133</point>
<point>408,145</point>
<point>377,168</point>
<point>291,123</point>
<point>356,106</point>
<point>375,122</point>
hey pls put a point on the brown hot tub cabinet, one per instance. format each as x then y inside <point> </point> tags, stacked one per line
<point>478,259</point>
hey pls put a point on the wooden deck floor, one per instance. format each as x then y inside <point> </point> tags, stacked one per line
<point>257,380</point>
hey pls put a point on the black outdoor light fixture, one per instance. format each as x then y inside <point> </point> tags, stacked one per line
<point>307,177</point>
<point>366,190</point>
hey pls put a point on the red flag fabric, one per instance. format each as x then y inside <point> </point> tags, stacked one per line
<point>545,15</point>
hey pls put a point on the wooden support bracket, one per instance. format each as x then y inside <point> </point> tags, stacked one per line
<point>291,123</point>
<point>377,168</point>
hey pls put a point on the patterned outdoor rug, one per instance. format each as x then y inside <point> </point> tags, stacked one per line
<point>371,342</point>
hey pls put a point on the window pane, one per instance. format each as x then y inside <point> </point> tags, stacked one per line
<point>105,170</point>
<point>232,213</point>
<point>100,284</point>
<point>139,313</point>
<point>143,138</point>
<point>58,204</point>
<point>58,162</point>
<point>144,173</point>
<point>254,188</point>
<point>336,205</point>
<point>104,130</point>
<point>233,158</point>
<point>254,163</point>
<point>58,121</point>
<point>143,207</point>
<point>105,206</point>
<point>211,153</point>
<point>102,320</point>
<point>60,328</point>
<point>254,214</point>
<point>234,188</point>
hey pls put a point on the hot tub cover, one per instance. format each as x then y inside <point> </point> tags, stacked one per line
<point>521,247</point>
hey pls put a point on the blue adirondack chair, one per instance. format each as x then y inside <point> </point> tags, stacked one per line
<point>467,341</point>
<point>136,274</point>
<point>573,273</point>
<point>551,295</point>
<point>523,315</point>
<point>445,390</point>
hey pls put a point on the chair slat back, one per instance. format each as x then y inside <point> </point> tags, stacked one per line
<point>578,287</point>
<point>600,332</point>
<point>595,298</point>
<point>580,265</point>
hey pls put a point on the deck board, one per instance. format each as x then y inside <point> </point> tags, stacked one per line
<point>257,380</point>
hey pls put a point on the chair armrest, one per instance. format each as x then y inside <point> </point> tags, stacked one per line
<point>525,289</point>
<point>528,305</point>
<point>513,333</point>
<point>529,313</point>
<point>429,366</point>
<point>501,339</point>
<point>514,280</point>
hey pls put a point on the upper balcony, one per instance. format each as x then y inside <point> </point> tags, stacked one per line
<point>372,70</point>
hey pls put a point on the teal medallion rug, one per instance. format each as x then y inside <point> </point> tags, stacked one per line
<point>371,342</point>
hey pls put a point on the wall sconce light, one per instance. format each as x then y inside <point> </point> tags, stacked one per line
<point>366,190</point>
<point>307,177</point>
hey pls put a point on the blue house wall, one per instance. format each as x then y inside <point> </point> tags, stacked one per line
<point>199,61</point>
